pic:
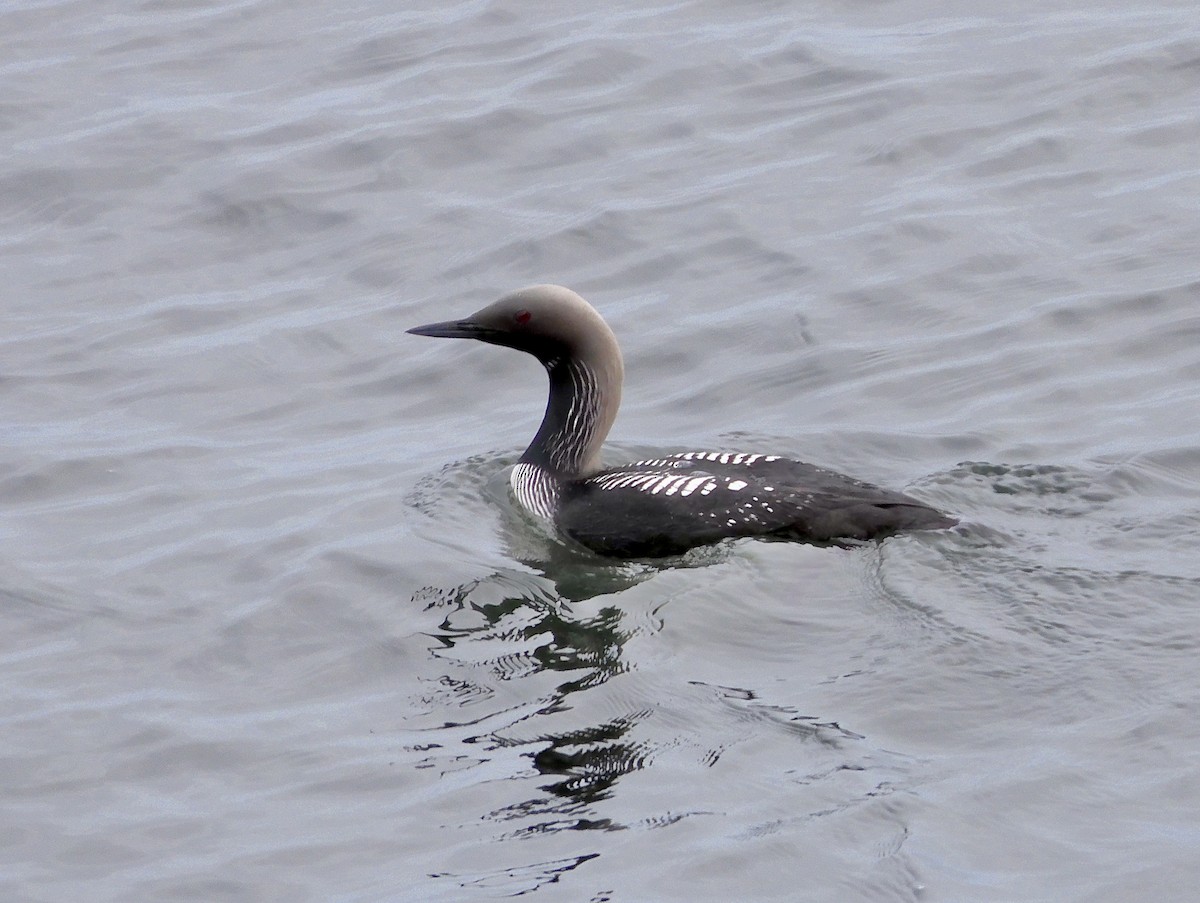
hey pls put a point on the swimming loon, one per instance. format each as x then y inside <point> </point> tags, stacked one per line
<point>669,504</point>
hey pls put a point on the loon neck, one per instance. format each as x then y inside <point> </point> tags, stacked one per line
<point>585,393</point>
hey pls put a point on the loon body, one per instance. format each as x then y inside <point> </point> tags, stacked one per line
<point>669,504</point>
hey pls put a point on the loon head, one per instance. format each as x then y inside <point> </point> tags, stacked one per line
<point>580,352</point>
<point>550,322</point>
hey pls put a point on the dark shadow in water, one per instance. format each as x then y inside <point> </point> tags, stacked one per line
<point>518,881</point>
<point>530,631</point>
<point>586,651</point>
<point>586,764</point>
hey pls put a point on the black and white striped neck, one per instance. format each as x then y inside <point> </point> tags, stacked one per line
<point>579,412</point>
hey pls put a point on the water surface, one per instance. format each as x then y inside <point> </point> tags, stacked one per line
<point>272,627</point>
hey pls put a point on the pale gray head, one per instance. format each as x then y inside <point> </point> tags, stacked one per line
<point>580,353</point>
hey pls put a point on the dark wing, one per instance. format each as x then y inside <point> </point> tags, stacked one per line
<point>645,513</point>
<point>669,505</point>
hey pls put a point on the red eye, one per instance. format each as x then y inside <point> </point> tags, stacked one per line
<point>523,317</point>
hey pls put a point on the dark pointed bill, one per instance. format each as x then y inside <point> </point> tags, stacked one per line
<point>451,329</point>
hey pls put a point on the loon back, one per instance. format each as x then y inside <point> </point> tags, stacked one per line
<point>666,505</point>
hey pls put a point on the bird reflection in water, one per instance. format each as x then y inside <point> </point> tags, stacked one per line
<point>517,625</point>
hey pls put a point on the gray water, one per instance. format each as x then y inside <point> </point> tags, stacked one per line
<point>270,627</point>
